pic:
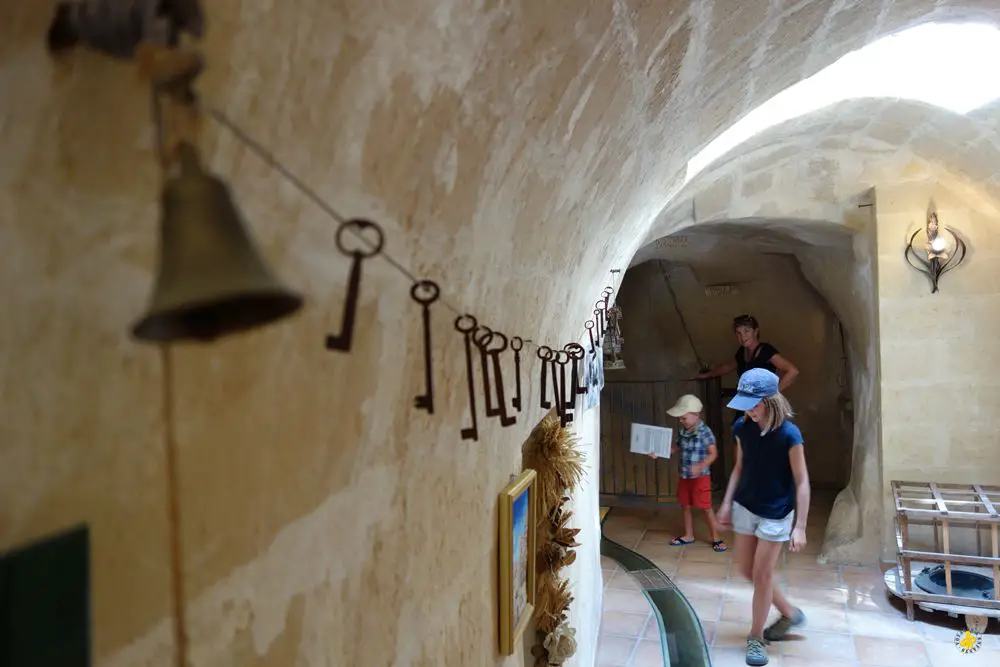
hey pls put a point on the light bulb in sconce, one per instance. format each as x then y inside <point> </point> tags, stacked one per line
<point>939,255</point>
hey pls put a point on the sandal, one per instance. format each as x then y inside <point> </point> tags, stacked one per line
<point>719,546</point>
<point>680,542</point>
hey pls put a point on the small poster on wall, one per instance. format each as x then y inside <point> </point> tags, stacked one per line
<point>45,602</point>
<point>594,381</point>
<point>648,439</point>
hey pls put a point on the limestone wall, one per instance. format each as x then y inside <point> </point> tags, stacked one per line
<point>850,284</point>
<point>940,392</point>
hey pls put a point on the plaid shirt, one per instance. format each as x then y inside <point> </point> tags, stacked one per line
<point>693,447</point>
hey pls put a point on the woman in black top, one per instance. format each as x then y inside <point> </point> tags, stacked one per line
<point>752,353</point>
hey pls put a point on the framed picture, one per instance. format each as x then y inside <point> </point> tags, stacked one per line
<point>518,519</point>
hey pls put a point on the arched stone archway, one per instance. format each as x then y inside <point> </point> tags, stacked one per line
<point>813,180</point>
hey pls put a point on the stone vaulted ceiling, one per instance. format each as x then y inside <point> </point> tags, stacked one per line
<point>544,138</point>
<point>818,166</point>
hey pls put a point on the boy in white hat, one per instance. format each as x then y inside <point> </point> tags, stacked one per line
<point>697,449</point>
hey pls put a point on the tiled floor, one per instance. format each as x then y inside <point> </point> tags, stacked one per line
<point>851,621</point>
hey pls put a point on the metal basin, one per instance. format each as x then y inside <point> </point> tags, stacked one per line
<point>964,583</point>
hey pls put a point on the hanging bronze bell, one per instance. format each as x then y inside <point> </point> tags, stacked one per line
<point>212,281</point>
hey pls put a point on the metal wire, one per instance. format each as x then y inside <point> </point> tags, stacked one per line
<point>271,160</point>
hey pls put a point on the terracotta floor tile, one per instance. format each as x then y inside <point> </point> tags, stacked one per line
<point>621,523</point>
<point>730,634</point>
<point>886,652</point>
<point>628,538</point>
<point>658,536</point>
<point>607,574</point>
<point>619,532</point>
<point>861,576</point>
<point>648,654</point>
<point>666,529</point>
<point>941,630</point>
<point>738,611</point>
<point>825,597</point>
<point>807,643</point>
<point>707,608</point>
<point>657,550</point>
<point>802,561</point>
<point>737,657</point>
<point>622,518</point>
<point>702,570</point>
<point>793,661</point>
<point>700,587</point>
<point>715,596</point>
<point>863,599</point>
<point>624,624</point>
<point>667,565</point>
<point>871,624</point>
<point>826,619</point>
<point>668,511</point>
<point>627,601</point>
<point>945,655</point>
<point>814,578</point>
<point>862,584</point>
<point>609,563</point>
<point>829,594</point>
<point>705,553</point>
<point>615,650</point>
<point>739,595</point>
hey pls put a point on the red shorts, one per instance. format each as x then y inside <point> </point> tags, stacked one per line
<point>695,492</point>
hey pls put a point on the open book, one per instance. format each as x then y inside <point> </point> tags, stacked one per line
<point>648,439</point>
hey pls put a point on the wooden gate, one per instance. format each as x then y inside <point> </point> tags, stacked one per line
<point>636,480</point>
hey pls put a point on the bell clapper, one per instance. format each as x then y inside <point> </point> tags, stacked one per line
<point>171,72</point>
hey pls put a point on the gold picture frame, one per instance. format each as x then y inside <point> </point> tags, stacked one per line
<point>518,521</point>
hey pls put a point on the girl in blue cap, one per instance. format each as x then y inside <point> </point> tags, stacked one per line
<point>767,501</point>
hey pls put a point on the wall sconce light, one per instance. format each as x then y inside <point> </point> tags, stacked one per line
<point>942,255</point>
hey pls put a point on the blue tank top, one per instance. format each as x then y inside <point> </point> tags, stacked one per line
<point>767,484</point>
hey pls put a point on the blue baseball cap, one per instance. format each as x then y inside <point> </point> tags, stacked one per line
<point>755,385</point>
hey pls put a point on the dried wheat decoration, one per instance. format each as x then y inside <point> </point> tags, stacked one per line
<point>553,453</point>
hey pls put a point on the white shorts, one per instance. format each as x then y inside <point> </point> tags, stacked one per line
<point>746,522</point>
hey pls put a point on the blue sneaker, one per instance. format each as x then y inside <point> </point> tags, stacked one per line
<point>756,653</point>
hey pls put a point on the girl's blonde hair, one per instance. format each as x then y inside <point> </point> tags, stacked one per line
<point>778,410</point>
